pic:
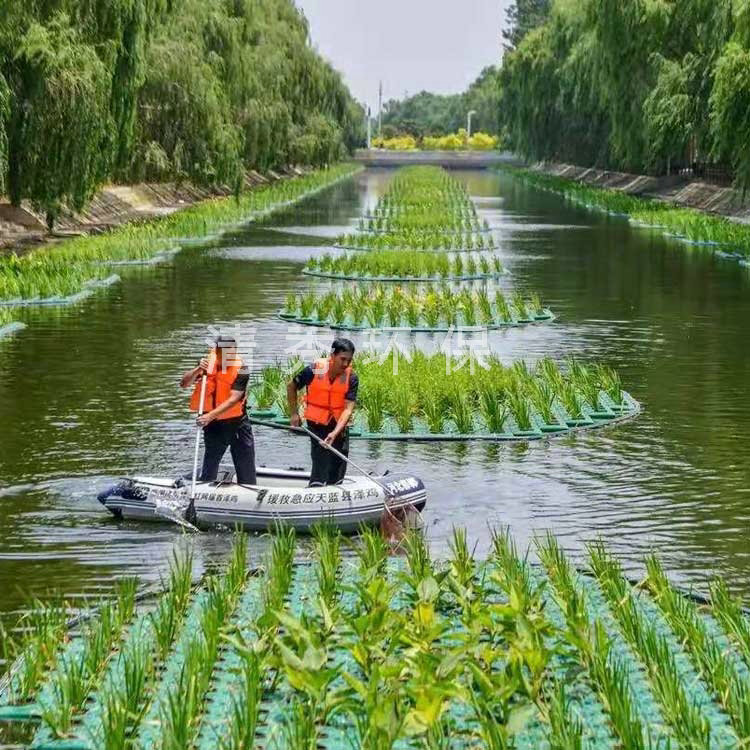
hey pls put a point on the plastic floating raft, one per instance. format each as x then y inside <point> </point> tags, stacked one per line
<point>327,653</point>
<point>404,279</point>
<point>606,413</point>
<point>515,319</point>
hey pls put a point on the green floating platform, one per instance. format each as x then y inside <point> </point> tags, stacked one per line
<point>545,316</point>
<point>489,249</point>
<point>406,279</point>
<point>606,413</point>
<point>461,649</point>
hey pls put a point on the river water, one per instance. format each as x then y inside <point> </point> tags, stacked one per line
<point>90,393</point>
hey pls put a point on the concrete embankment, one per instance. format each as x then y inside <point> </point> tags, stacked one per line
<point>683,191</point>
<point>22,228</point>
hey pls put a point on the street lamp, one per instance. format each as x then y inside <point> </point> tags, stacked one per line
<point>468,124</point>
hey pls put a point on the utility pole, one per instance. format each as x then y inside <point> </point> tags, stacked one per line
<point>472,112</point>
<point>380,111</point>
<point>369,129</point>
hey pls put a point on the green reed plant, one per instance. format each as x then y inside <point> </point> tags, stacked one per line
<point>565,726</point>
<point>125,704</point>
<point>74,263</point>
<point>380,305</point>
<point>593,648</point>
<point>70,687</point>
<point>519,406</point>
<point>279,576</point>
<point>543,397</point>
<point>502,307</point>
<point>728,610</point>
<point>424,391</point>
<point>44,629</point>
<point>706,652</point>
<point>493,408</point>
<point>683,714</point>
<point>461,411</point>
<point>245,711</point>
<point>327,544</point>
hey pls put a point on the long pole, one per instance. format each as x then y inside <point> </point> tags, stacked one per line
<point>348,460</point>
<point>202,403</point>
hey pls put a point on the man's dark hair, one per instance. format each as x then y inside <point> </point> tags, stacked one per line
<point>226,342</point>
<point>342,345</point>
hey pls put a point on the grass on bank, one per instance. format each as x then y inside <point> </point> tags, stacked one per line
<point>683,223</point>
<point>65,269</point>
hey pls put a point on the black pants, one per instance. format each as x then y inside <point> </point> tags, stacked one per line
<point>327,468</point>
<point>237,435</point>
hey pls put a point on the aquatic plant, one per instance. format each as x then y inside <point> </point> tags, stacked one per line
<point>243,718</point>
<point>74,263</point>
<point>683,223</point>
<point>730,613</point>
<point>400,265</point>
<point>378,305</point>
<point>44,628</point>
<point>706,652</point>
<point>327,540</point>
<point>683,714</point>
<point>439,392</point>
<point>593,648</point>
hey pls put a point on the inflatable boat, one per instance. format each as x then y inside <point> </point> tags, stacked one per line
<point>280,495</point>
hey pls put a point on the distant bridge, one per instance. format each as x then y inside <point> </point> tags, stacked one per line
<point>448,159</point>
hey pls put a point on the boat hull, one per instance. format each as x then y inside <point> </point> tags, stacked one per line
<point>281,496</point>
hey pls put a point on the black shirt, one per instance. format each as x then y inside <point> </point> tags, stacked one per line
<point>241,381</point>
<point>306,376</point>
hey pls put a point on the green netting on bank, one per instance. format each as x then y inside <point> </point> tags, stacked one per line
<point>606,413</point>
<point>545,315</point>
<point>324,649</point>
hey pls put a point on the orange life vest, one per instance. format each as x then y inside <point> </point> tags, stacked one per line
<point>218,388</point>
<point>326,400</point>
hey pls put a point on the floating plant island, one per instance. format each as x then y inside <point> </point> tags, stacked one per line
<point>405,266</point>
<point>436,397</point>
<point>371,651</point>
<point>423,210</point>
<point>432,308</point>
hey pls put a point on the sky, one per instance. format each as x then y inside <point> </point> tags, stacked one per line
<point>412,45</point>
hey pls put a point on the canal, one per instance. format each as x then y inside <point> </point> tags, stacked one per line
<point>90,393</point>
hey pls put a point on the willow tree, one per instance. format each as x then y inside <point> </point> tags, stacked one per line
<point>625,85</point>
<point>185,118</point>
<point>730,98</point>
<point>59,118</point>
<point>4,115</point>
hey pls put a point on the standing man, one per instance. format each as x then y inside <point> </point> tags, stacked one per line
<point>329,404</point>
<point>224,419</point>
